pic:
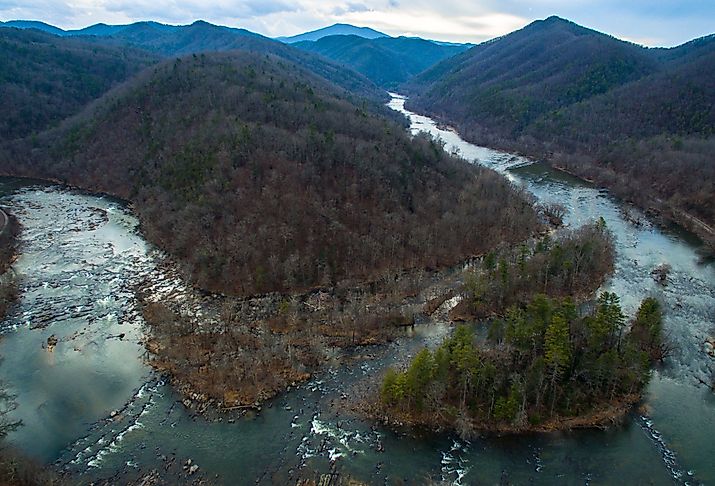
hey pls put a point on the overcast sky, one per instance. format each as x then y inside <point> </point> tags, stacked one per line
<point>649,22</point>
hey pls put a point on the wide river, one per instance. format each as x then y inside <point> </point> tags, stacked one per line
<point>92,406</point>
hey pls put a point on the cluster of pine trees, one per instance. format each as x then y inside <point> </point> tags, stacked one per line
<point>541,361</point>
<point>538,356</point>
<point>573,264</point>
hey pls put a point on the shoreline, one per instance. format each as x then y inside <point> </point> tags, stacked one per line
<point>316,311</point>
<point>8,254</point>
<point>659,215</point>
<point>601,417</point>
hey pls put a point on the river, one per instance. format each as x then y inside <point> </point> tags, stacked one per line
<point>93,407</point>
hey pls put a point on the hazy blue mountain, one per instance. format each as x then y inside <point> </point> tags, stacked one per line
<point>109,30</point>
<point>33,24</point>
<point>337,29</point>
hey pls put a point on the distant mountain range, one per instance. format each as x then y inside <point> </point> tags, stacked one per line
<point>385,60</point>
<point>45,77</point>
<point>640,121</point>
<point>109,30</point>
<point>106,30</point>
<point>336,29</point>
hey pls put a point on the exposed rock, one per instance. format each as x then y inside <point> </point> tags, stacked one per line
<point>660,273</point>
<point>710,346</point>
<point>52,342</point>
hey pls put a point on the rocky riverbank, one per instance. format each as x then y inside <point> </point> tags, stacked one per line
<point>602,416</point>
<point>660,211</point>
<point>9,231</point>
<point>232,354</point>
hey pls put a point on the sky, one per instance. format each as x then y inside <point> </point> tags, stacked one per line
<point>647,22</point>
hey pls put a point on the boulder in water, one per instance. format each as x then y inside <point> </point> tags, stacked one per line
<point>52,342</point>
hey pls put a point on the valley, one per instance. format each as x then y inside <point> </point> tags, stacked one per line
<point>303,429</point>
<point>235,259</point>
<point>637,120</point>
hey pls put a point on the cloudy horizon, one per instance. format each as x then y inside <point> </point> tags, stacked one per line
<point>666,23</point>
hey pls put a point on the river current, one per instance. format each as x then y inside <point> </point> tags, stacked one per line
<point>93,407</point>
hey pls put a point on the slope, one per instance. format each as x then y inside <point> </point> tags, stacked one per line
<point>639,121</point>
<point>33,24</point>
<point>45,78</point>
<point>510,81</point>
<point>387,61</point>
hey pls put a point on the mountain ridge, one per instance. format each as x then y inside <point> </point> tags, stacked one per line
<point>387,61</point>
<point>203,37</point>
<point>46,78</point>
<point>634,119</point>
<point>283,167</point>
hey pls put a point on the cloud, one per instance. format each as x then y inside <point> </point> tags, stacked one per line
<point>474,28</point>
<point>341,10</point>
<point>186,11</point>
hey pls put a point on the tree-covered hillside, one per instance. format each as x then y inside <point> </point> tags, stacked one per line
<point>640,121</point>
<point>45,78</point>
<point>203,37</point>
<point>258,175</point>
<point>511,81</point>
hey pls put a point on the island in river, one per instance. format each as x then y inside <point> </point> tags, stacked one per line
<point>542,360</point>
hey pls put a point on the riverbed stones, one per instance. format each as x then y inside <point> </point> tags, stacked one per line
<point>710,346</point>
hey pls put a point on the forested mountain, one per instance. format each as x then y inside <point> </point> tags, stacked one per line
<point>258,175</point>
<point>511,81</point>
<point>105,30</point>
<point>638,120</point>
<point>387,61</point>
<point>150,27</point>
<point>33,24</point>
<point>204,37</point>
<point>336,29</point>
<point>176,40</point>
<point>45,78</point>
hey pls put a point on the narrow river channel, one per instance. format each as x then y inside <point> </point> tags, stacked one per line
<point>93,407</point>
